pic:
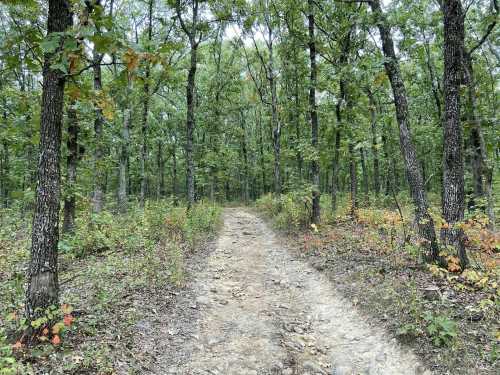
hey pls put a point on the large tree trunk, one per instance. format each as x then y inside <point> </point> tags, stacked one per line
<point>412,165</point>
<point>453,169</point>
<point>315,172</point>
<point>42,278</point>
<point>71,165</point>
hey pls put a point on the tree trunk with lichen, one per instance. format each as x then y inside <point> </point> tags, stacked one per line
<point>42,276</point>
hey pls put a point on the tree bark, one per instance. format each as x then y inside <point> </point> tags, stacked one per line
<point>99,173</point>
<point>353,179</point>
<point>145,114</point>
<point>123,176</point>
<point>373,128</point>
<point>315,172</point>
<point>190,124</point>
<point>174,174</point>
<point>365,174</point>
<point>335,164</point>
<point>412,165</point>
<point>453,170</point>
<point>42,277</point>
<point>480,163</point>
<point>4,173</point>
<point>71,166</point>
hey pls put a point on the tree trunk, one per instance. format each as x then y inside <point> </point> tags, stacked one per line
<point>300,160</point>
<point>174,175</point>
<point>42,278</point>
<point>71,165</point>
<point>365,174</point>
<point>480,163</point>
<point>336,161</point>
<point>160,163</point>
<point>453,170</point>
<point>315,172</point>
<point>145,114</point>
<point>373,122</point>
<point>4,173</point>
<point>353,179</point>
<point>412,165</point>
<point>246,177</point>
<point>190,124</point>
<point>123,178</point>
<point>99,173</point>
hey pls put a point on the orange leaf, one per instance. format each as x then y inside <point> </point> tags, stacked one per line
<point>56,340</point>
<point>45,331</point>
<point>17,345</point>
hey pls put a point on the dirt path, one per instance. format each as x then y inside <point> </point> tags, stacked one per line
<point>253,308</point>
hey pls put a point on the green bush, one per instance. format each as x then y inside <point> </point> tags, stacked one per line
<point>289,211</point>
<point>441,329</point>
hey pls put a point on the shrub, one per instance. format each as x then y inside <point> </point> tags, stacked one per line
<point>291,210</point>
<point>441,329</point>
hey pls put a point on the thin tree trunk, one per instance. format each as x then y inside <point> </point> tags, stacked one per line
<point>99,174</point>
<point>4,172</point>
<point>42,276</point>
<point>412,165</point>
<point>480,163</point>
<point>174,175</point>
<point>145,114</point>
<point>373,122</point>
<point>261,152</point>
<point>123,178</point>
<point>160,163</point>
<point>246,183</point>
<point>335,164</point>
<point>353,179</point>
<point>453,170</point>
<point>190,125</point>
<point>296,111</point>
<point>315,172</point>
<point>71,166</point>
<point>365,174</point>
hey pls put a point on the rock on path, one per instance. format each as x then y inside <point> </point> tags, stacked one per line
<point>254,309</point>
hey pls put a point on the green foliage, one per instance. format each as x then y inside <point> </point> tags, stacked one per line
<point>441,329</point>
<point>290,211</point>
<point>8,362</point>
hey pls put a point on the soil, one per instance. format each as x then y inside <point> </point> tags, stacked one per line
<point>251,306</point>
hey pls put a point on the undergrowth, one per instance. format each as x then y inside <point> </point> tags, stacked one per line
<point>429,304</point>
<point>110,263</point>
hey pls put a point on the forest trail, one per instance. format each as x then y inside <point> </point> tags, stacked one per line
<point>254,308</point>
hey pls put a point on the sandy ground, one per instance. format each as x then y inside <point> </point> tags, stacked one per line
<point>252,308</point>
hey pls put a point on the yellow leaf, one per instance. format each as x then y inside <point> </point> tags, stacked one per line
<point>131,59</point>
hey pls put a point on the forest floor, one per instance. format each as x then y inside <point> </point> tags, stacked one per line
<point>252,306</point>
